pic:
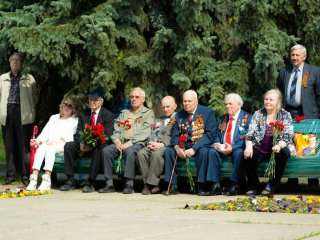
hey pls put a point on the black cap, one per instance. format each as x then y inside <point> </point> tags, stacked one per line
<point>96,93</point>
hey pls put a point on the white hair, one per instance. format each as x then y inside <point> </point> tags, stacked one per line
<point>236,97</point>
<point>190,93</point>
<point>301,47</point>
<point>142,93</point>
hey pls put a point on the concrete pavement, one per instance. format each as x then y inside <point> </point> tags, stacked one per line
<point>75,215</point>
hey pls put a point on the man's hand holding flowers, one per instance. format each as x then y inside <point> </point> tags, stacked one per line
<point>85,148</point>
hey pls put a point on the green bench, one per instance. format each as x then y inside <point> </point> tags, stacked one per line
<point>297,167</point>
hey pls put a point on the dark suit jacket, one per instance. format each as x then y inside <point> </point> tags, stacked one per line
<point>310,96</point>
<point>105,117</point>
<point>209,127</point>
<point>238,140</point>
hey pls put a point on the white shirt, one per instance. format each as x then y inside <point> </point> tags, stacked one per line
<point>57,128</point>
<point>96,116</point>
<point>234,122</point>
<point>297,102</point>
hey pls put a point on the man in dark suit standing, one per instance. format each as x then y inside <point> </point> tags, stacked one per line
<point>150,158</point>
<point>198,124</point>
<point>96,113</point>
<point>300,85</point>
<point>230,140</point>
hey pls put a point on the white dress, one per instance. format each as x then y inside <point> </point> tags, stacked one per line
<point>55,130</point>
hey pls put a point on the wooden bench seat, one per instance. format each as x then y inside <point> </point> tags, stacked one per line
<point>297,167</point>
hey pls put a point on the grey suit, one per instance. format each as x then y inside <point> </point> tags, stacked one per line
<point>310,95</point>
<point>151,162</point>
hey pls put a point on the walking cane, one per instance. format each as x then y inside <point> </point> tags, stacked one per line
<point>172,172</point>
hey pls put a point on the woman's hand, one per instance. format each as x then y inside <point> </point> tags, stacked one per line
<point>276,148</point>
<point>34,141</point>
<point>248,152</point>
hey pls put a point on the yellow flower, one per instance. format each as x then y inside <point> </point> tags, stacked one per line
<point>198,205</point>
<point>13,195</point>
<point>22,194</point>
<point>318,200</point>
<point>211,206</point>
<point>266,198</point>
<point>264,203</point>
<point>309,201</point>
<point>230,206</point>
<point>311,198</point>
<point>293,198</point>
<point>313,152</point>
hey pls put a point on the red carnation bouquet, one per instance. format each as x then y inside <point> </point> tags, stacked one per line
<point>299,118</point>
<point>276,133</point>
<point>182,140</point>
<point>124,126</point>
<point>93,135</point>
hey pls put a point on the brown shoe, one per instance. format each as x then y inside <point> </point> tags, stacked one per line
<point>155,189</point>
<point>146,190</point>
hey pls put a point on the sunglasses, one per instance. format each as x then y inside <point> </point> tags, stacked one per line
<point>67,105</point>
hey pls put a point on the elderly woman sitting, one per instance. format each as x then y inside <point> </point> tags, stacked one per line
<point>260,144</point>
<point>56,133</point>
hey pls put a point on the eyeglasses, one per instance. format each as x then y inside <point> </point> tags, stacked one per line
<point>91,99</point>
<point>67,105</point>
<point>135,97</point>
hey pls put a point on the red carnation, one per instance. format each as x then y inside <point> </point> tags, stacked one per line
<point>271,124</point>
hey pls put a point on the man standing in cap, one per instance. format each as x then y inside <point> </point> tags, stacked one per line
<point>135,137</point>
<point>18,98</point>
<point>96,113</point>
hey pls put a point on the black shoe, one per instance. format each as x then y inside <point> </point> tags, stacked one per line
<point>128,189</point>
<point>25,180</point>
<point>88,188</point>
<point>173,190</point>
<point>215,190</point>
<point>9,180</point>
<point>202,192</point>
<point>107,189</point>
<point>233,191</point>
<point>68,186</point>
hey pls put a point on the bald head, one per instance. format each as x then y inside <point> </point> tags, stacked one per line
<point>168,106</point>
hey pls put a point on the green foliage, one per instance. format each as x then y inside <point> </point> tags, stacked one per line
<point>166,47</point>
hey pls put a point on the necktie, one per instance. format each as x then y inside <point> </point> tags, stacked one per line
<point>92,119</point>
<point>229,130</point>
<point>294,86</point>
<point>190,117</point>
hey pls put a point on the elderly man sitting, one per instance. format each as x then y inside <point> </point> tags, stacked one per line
<point>150,158</point>
<point>230,140</point>
<point>135,137</point>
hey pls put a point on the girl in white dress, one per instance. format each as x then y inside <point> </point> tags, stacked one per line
<point>59,130</point>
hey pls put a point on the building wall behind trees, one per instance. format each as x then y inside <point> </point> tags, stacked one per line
<point>164,46</point>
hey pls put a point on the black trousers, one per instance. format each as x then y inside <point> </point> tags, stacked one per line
<point>16,138</point>
<point>257,157</point>
<point>71,153</point>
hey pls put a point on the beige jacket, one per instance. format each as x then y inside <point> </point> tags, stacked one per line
<point>28,98</point>
<point>141,128</point>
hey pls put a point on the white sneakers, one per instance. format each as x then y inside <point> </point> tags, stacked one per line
<point>33,182</point>
<point>45,184</point>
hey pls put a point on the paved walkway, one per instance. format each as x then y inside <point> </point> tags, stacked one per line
<point>75,215</point>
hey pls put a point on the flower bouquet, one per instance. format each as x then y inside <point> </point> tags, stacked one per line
<point>182,140</point>
<point>155,127</point>
<point>124,126</point>
<point>93,135</point>
<point>20,192</point>
<point>276,133</point>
